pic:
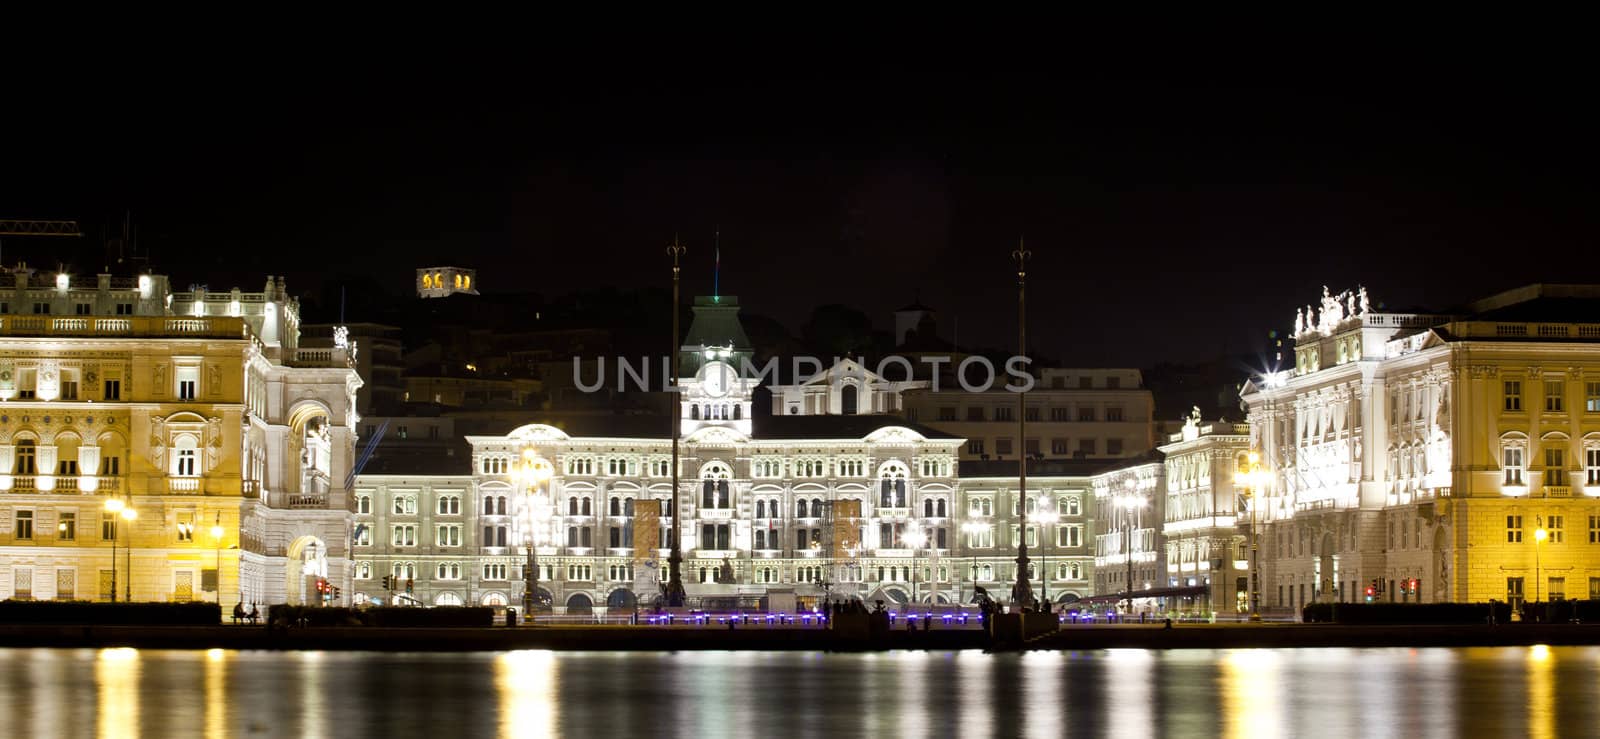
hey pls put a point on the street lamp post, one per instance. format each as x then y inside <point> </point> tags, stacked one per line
<point>216,539</point>
<point>1539,537</point>
<point>1046,516</point>
<point>972,529</point>
<point>915,538</point>
<point>130,515</point>
<point>1129,503</point>
<point>1022,591</point>
<point>1250,479</point>
<point>675,595</point>
<point>534,473</point>
<point>114,507</point>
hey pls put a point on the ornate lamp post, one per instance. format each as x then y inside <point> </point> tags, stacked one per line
<point>1021,590</point>
<point>1251,479</point>
<point>216,541</point>
<point>973,529</point>
<point>1046,516</point>
<point>120,509</point>
<point>1539,537</point>
<point>1130,503</point>
<point>675,594</point>
<point>114,506</point>
<point>534,473</point>
<point>914,539</point>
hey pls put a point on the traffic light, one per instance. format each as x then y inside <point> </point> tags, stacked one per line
<point>387,583</point>
<point>337,593</point>
<point>1372,591</point>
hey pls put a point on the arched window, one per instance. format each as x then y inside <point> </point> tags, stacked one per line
<point>694,412</point>
<point>988,572</point>
<point>738,412</point>
<point>761,509</point>
<point>816,507</point>
<point>627,507</point>
<point>500,508</point>
<point>800,508</point>
<point>572,506</point>
<point>185,459</point>
<point>488,506</point>
<point>927,507</point>
<point>848,400</point>
<point>587,507</point>
<point>616,506</point>
<point>938,508</point>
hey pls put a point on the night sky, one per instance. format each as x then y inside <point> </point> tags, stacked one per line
<point>1180,202</point>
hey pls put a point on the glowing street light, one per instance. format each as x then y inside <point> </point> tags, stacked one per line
<point>1251,479</point>
<point>534,473</point>
<point>914,539</point>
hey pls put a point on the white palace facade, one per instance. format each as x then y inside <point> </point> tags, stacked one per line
<point>1434,457</point>
<point>777,509</point>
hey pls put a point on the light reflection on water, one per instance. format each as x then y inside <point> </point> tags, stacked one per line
<point>1537,692</point>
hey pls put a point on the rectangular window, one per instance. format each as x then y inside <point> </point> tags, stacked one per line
<point>24,528</point>
<point>185,526</point>
<point>1513,529</point>
<point>1003,413</point>
<point>1558,529</point>
<point>1031,414</point>
<point>947,413</point>
<point>1086,447</point>
<point>188,383</point>
<point>1511,463</point>
<point>67,467</point>
<point>975,446</point>
<point>108,526</point>
<point>363,535</point>
<point>1002,447</point>
<point>82,309</point>
<point>1594,588</point>
<point>113,390</point>
<point>1591,466</point>
<point>67,527</point>
<point>69,385</point>
<point>1591,397</point>
<point>1552,395</point>
<point>41,309</point>
<point>975,413</point>
<point>1594,529</point>
<point>1084,383</point>
<point>1086,413</point>
<point>448,535</point>
<point>1558,588</point>
<point>405,535</point>
<point>1059,415</point>
<point>1058,446</point>
<point>1513,395</point>
<point>27,383</point>
<point>1114,413</point>
<point>1555,465</point>
<point>1114,447</point>
<point>1031,447</point>
<point>124,309</point>
<point>1069,536</point>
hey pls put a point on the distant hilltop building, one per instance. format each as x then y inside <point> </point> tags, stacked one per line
<point>439,282</point>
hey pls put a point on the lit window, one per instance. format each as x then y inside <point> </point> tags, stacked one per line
<point>1552,395</point>
<point>1511,463</point>
<point>1513,529</point>
<point>1513,395</point>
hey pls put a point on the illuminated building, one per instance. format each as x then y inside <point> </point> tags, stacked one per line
<point>439,282</point>
<point>195,412</point>
<point>1420,453</point>
<point>778,510</point>
<point>1204,543</point>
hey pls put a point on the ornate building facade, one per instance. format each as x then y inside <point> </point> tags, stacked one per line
<point>164,442</point>
<point>775,510</point>
<point>1205,544</point>
<point>1434,457</point>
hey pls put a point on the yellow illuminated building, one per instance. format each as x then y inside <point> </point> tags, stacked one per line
<point>1421,455</point>
<point>140,429</point>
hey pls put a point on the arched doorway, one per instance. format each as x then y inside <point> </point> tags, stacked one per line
<point>580,604</point>
<point>494,599</point>
<point>621,598</point>
<point>308,563</point>
<point>848,400</point>
<point>896,596</point>
<point>447,599</point>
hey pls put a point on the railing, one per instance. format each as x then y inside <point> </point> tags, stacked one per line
<point>250,488</point>
<point>308,500</point>
<point>208,327</point>
<point>183,484</point>
<point>319,357</point>
<point>21,484</point>
<point>1558,491</point>
<point>100,485</point>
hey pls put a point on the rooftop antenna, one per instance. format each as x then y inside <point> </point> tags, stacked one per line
<point>716,269</point>
<point>341,305</point>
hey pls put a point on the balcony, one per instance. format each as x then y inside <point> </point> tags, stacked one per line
<point>183,485</point>
<point>250,488</point>
<point>209,327</point>
<point>307,500</point>
<point>1558,491</point>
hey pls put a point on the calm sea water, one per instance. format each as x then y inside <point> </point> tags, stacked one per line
<point>1501,692</point>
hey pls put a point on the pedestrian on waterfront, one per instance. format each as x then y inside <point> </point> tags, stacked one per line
<point>255,613</point>
<point>238,612</point>
<point>1168,627</point>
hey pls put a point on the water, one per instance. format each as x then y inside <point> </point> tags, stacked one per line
<point>1537,691</point>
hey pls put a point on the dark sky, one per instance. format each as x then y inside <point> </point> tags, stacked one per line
<point>1180,201</point>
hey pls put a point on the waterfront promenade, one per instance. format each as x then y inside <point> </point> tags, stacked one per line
<point>659,638</point>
